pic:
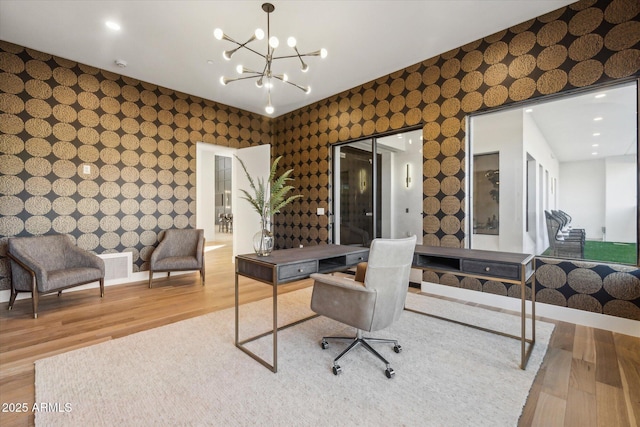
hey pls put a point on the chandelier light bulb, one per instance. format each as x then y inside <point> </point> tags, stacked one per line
<point>222,81</point>
<point>226,55</point>
<point>240,69</point>
<point>285,78</point>
<point>305,67</point>
<point>269,109</point>
<point>273,42</point>
<point>323,53</point>
<point>259,34</point>
<point>218,33</point>
<point>291,42</point>
<point>308,90</point>
<point>259,82</point>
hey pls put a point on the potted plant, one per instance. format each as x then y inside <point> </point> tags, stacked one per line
<point>267,199</point>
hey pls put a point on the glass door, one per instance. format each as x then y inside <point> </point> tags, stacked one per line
<point>377,191</point>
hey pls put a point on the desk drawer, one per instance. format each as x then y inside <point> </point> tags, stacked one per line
<point>494,269</point>
<point>353,259</point>
<point>298,270</point>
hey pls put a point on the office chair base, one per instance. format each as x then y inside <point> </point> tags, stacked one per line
<point>359,340</point>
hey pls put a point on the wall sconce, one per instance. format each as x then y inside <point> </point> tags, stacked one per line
<point>408,178</point>
<point>362,179</point>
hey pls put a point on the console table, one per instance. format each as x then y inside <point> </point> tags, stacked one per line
<point>284,266</point>
<point>505,267</point>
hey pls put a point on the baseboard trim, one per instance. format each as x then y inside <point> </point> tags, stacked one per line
<point>565,314</point>
<point>140,276</point>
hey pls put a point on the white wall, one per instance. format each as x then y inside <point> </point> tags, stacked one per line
<point>407,201</point>
<point>581,191</point>
<point>620,199</point>
<point>502,132</point>
<point>536,146</point>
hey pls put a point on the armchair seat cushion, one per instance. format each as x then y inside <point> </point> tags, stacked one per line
<point>58,279</point>
<point>177,263</point>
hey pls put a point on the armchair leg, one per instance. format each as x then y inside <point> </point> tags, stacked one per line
<point>12,298</point>
<point>34,296</point>
<point>102,287</point>
<point>34,302</point>
<point>150,277</point>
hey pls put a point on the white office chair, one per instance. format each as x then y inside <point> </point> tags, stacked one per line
<point>372,305</point>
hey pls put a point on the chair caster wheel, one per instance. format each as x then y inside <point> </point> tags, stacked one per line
<point>389,372</point>
<point>397,348</point>
<point>337,370</point>
<point>324,344</point>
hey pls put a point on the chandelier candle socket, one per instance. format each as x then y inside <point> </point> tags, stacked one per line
<point>264,77</point>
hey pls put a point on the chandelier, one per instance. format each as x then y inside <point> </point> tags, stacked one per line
<point>266,76</point>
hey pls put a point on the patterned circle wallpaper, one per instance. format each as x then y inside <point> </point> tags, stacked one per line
<point>105,158</point>
<point>587,43</point>
<point>137,141</point>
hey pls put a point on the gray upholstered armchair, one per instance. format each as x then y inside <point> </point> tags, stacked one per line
<point>179,250</point>
<point>46,264</point>
<point>372,305</point>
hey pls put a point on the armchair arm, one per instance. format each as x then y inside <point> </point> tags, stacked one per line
<point>200,250</point>
<point>30,265</point>
<point>158,252</point>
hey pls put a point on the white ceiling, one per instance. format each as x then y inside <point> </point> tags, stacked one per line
<point>168,43</point>
<point>571,128</point>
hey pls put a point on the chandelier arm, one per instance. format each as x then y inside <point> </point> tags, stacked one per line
<point>243,78</point>
<point>304,89</point>
<point>298,55</point>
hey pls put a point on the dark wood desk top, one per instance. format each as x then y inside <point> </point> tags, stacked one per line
<point>308,253</point>
<point>286,265</point>
<point>476,254</point>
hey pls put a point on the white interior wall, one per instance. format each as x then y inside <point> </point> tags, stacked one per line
<point>620,220</point>
<point>502,132</point>
<point>582,195</point>
<point>536,145</point>
<point>407,202</point>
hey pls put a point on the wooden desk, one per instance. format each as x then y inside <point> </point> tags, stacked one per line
<point>284,266</point>
<point>506,267</point>
<point>288,265</point>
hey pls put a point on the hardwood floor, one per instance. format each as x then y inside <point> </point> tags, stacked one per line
<point>589,377</point>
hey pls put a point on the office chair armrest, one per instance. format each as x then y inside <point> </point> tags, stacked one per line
<point>339,281</point>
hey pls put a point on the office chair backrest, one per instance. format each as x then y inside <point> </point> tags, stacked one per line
<point>388,272</point>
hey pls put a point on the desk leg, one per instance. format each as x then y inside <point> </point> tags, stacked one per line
<point>523,319</point>
<point>526,352</point>
<point>237,308</point>
<point>275,328</point>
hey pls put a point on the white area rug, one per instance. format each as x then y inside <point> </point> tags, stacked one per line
<point>190,373</point>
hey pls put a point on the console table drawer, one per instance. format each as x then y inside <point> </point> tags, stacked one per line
<point>353,259</point>
<point>301,269</point>
<point>494,269</point>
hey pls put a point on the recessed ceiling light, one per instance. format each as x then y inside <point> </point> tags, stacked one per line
<point>596,134</point>
<point>597,119</point>
<point>595,145</point>
<point>595,153</point>
<point>600,95</point>
<point>113,25</point>
<point>528,110</point>
<point>210,61</point>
